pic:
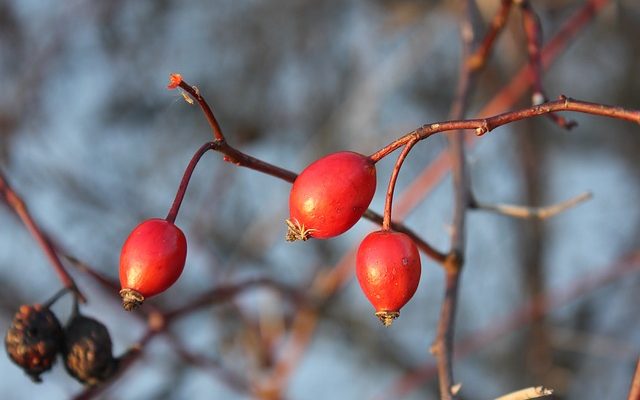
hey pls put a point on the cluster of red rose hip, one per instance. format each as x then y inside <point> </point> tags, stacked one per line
<point>326,200</point>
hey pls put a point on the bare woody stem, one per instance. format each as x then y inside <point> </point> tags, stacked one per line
<point>478,59</point>
<point>15,202</point>
<point>386,220</point>
<point>483,125</point>
<point>184,183</point>
<point>517,211</point>
<point>208,112</point>
<point>533,32</point>
<point>231,154</point>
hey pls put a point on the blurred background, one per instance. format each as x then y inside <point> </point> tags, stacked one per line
<point>94,143</point>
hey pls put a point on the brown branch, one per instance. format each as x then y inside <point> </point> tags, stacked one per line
<point>442,348</point>
<point>14,201</point>
<point>106,282</point>
<point>517,211</point>
<point>634,391</point>
<point>223,293</point>
<point>231,379</point>
<point>533,32</point>
<point>231,154</point>
<point>537,392</point>
<point>469,70</point>
<point>482,126</point>
<point>478,59</point>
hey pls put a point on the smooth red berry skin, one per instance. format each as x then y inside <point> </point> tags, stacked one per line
<point>331,195</point>
<point>152,257</point>
<point>388,270</point>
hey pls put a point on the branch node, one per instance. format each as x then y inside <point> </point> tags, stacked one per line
<point>483,128</point>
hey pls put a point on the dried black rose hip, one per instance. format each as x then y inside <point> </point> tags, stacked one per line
<point>34,339</point>
<point>87,351</point>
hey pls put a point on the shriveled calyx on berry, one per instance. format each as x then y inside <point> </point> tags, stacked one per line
<point>34,339</point>
<point>151,260</point>
<point>330,196</point>
<point>87,351</point>
<point>388,270</point>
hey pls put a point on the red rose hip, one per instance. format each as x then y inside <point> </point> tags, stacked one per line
<point>330,196</point>
<point>151,260</point>
<point>388,270</point>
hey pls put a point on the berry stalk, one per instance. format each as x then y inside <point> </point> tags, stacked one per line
<point>184,183</point>
<point>386,219</point>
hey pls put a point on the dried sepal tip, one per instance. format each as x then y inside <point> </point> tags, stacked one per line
<point>297,231</point>
<point>387,317</point>
<point>131,299</point>
<point>174,81</point>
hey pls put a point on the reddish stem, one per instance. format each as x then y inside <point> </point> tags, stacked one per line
<point>484,125</point>
<point>533,32</point>
<point>182,189</point>
<point>386,219</point>
<point>15,202</point>
<point>478,59</point>
<point>208,112</point>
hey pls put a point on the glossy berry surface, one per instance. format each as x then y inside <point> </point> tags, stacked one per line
<point>330,196</point>
<point>388,270</point>
<point>151,260</point>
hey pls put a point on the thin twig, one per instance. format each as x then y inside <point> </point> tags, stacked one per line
<point>478,59</point>
<point>184,183</point>
<point>517,211</point>
<point>442,347</point>
<point>535,392</point>
<point>222,293</point>
<point>229,378</point>
<point>482,126</point>
<point>83,267</point>
<point>533,32</point>
<point>14,201</point>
